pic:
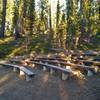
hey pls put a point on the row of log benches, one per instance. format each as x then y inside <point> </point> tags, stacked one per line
<point>53,64</point>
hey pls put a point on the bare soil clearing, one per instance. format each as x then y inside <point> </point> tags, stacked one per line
<point>47,87</point>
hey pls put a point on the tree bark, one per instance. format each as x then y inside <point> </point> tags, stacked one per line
<point>2,29</point>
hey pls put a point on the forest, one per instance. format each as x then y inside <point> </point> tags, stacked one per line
<point>42,25</point>
<point>49,49</point>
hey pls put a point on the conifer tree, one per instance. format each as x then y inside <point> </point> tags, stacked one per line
<point>3,18</point>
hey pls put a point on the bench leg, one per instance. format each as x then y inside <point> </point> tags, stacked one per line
<point>44,68</point>
<point>89,73</point>
<point>52,71</point>
<point>33,65</point>
<point>22,73</point>
<point>27,78</point>
<point>15,69</point>
<point>96,69</point>
<point>59,65</point>
<point>64,76</point>
<point>68,67</point>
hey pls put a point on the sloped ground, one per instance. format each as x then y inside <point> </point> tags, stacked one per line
<point>47,87</point>
<point>10,47</point>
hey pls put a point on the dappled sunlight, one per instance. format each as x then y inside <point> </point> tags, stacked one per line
<point>78,74</point>
<point>63,92</point>
<point>1,92</point>
<point>37,46</point>
<point>81,82</point>
<point>62,54</point>
<point>49,55</point>
<point>7,46</point>
<point>53,46</point>
<point>45,79</point>
<point>15,51</point>
<point>6,40</point>
<point>5,78</point>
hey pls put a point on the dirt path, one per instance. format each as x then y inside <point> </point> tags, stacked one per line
<point>47,87</point>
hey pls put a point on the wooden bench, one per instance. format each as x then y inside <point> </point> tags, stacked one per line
<point>72,65</point>
<point>82,68</point>
<point>65,72</point>
<point>23,71</point>
<point>52,58</point>
<point>97,63</point>
<point>97,58</point>
<point>89,54</point>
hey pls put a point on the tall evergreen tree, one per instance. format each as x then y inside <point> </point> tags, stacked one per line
<point>70,27</point>
<point>44,14</point>
<point>23,16</point>
<point>58,13</point>
<point>0,11</point>
<point>3,19</point>
<point>16,19</point>
<point>50,17</point>
<point>31,15</point>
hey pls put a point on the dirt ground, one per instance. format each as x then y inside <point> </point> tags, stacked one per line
<point>47,87</point>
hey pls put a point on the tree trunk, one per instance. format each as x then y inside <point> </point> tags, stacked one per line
<point>50,19</point>
<point>2,29</point>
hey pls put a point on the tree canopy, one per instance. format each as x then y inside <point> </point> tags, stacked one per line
<point>67,24</point>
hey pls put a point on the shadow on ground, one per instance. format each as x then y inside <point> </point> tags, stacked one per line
<point>47,87</point>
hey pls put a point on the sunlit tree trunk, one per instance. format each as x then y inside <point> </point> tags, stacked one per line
<point>58,13</point>
<point>23,15</point>
<point>3,18</point>
<point>50,18</point>
<point>50,33</point>
<point>69,9</point>
<point>16,19</point>
<point>82,22</point>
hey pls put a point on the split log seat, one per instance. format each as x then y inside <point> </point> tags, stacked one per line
<point>95,63</point>
<point>82,68</point>
<point>23,71</point>
<point>66,73</point>
<point>72,65</point>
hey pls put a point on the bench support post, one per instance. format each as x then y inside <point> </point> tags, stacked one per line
<point>15,69</point>
<point>33,65</point>
<point>44,68</point>
<point>96,69</point>
<point>21,73</point>
<point>89,73</point>
<point>51,71</point>
<point>59,65</point>
<point>64,76</point>
<point>27,78</point>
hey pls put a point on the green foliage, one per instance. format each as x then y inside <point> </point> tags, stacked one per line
<point>0,12</point>
<point>58,13</point>
<point>78,22</point>
<point>30,15</point>
<point>9,47</point>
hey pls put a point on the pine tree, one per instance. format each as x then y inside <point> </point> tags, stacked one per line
<point>58,13</point>
<point>16,19</point>
<point>44,14</point>
<point>3,19</point>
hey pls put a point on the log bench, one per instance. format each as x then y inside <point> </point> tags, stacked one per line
<point>65,72</point>
<point>96,63</point>
<point>72,65</point>
<point>82,68</point>
<point>23,71</point>
<point>52,58</point>
<point>90,54</point>
<point>97,58</point>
